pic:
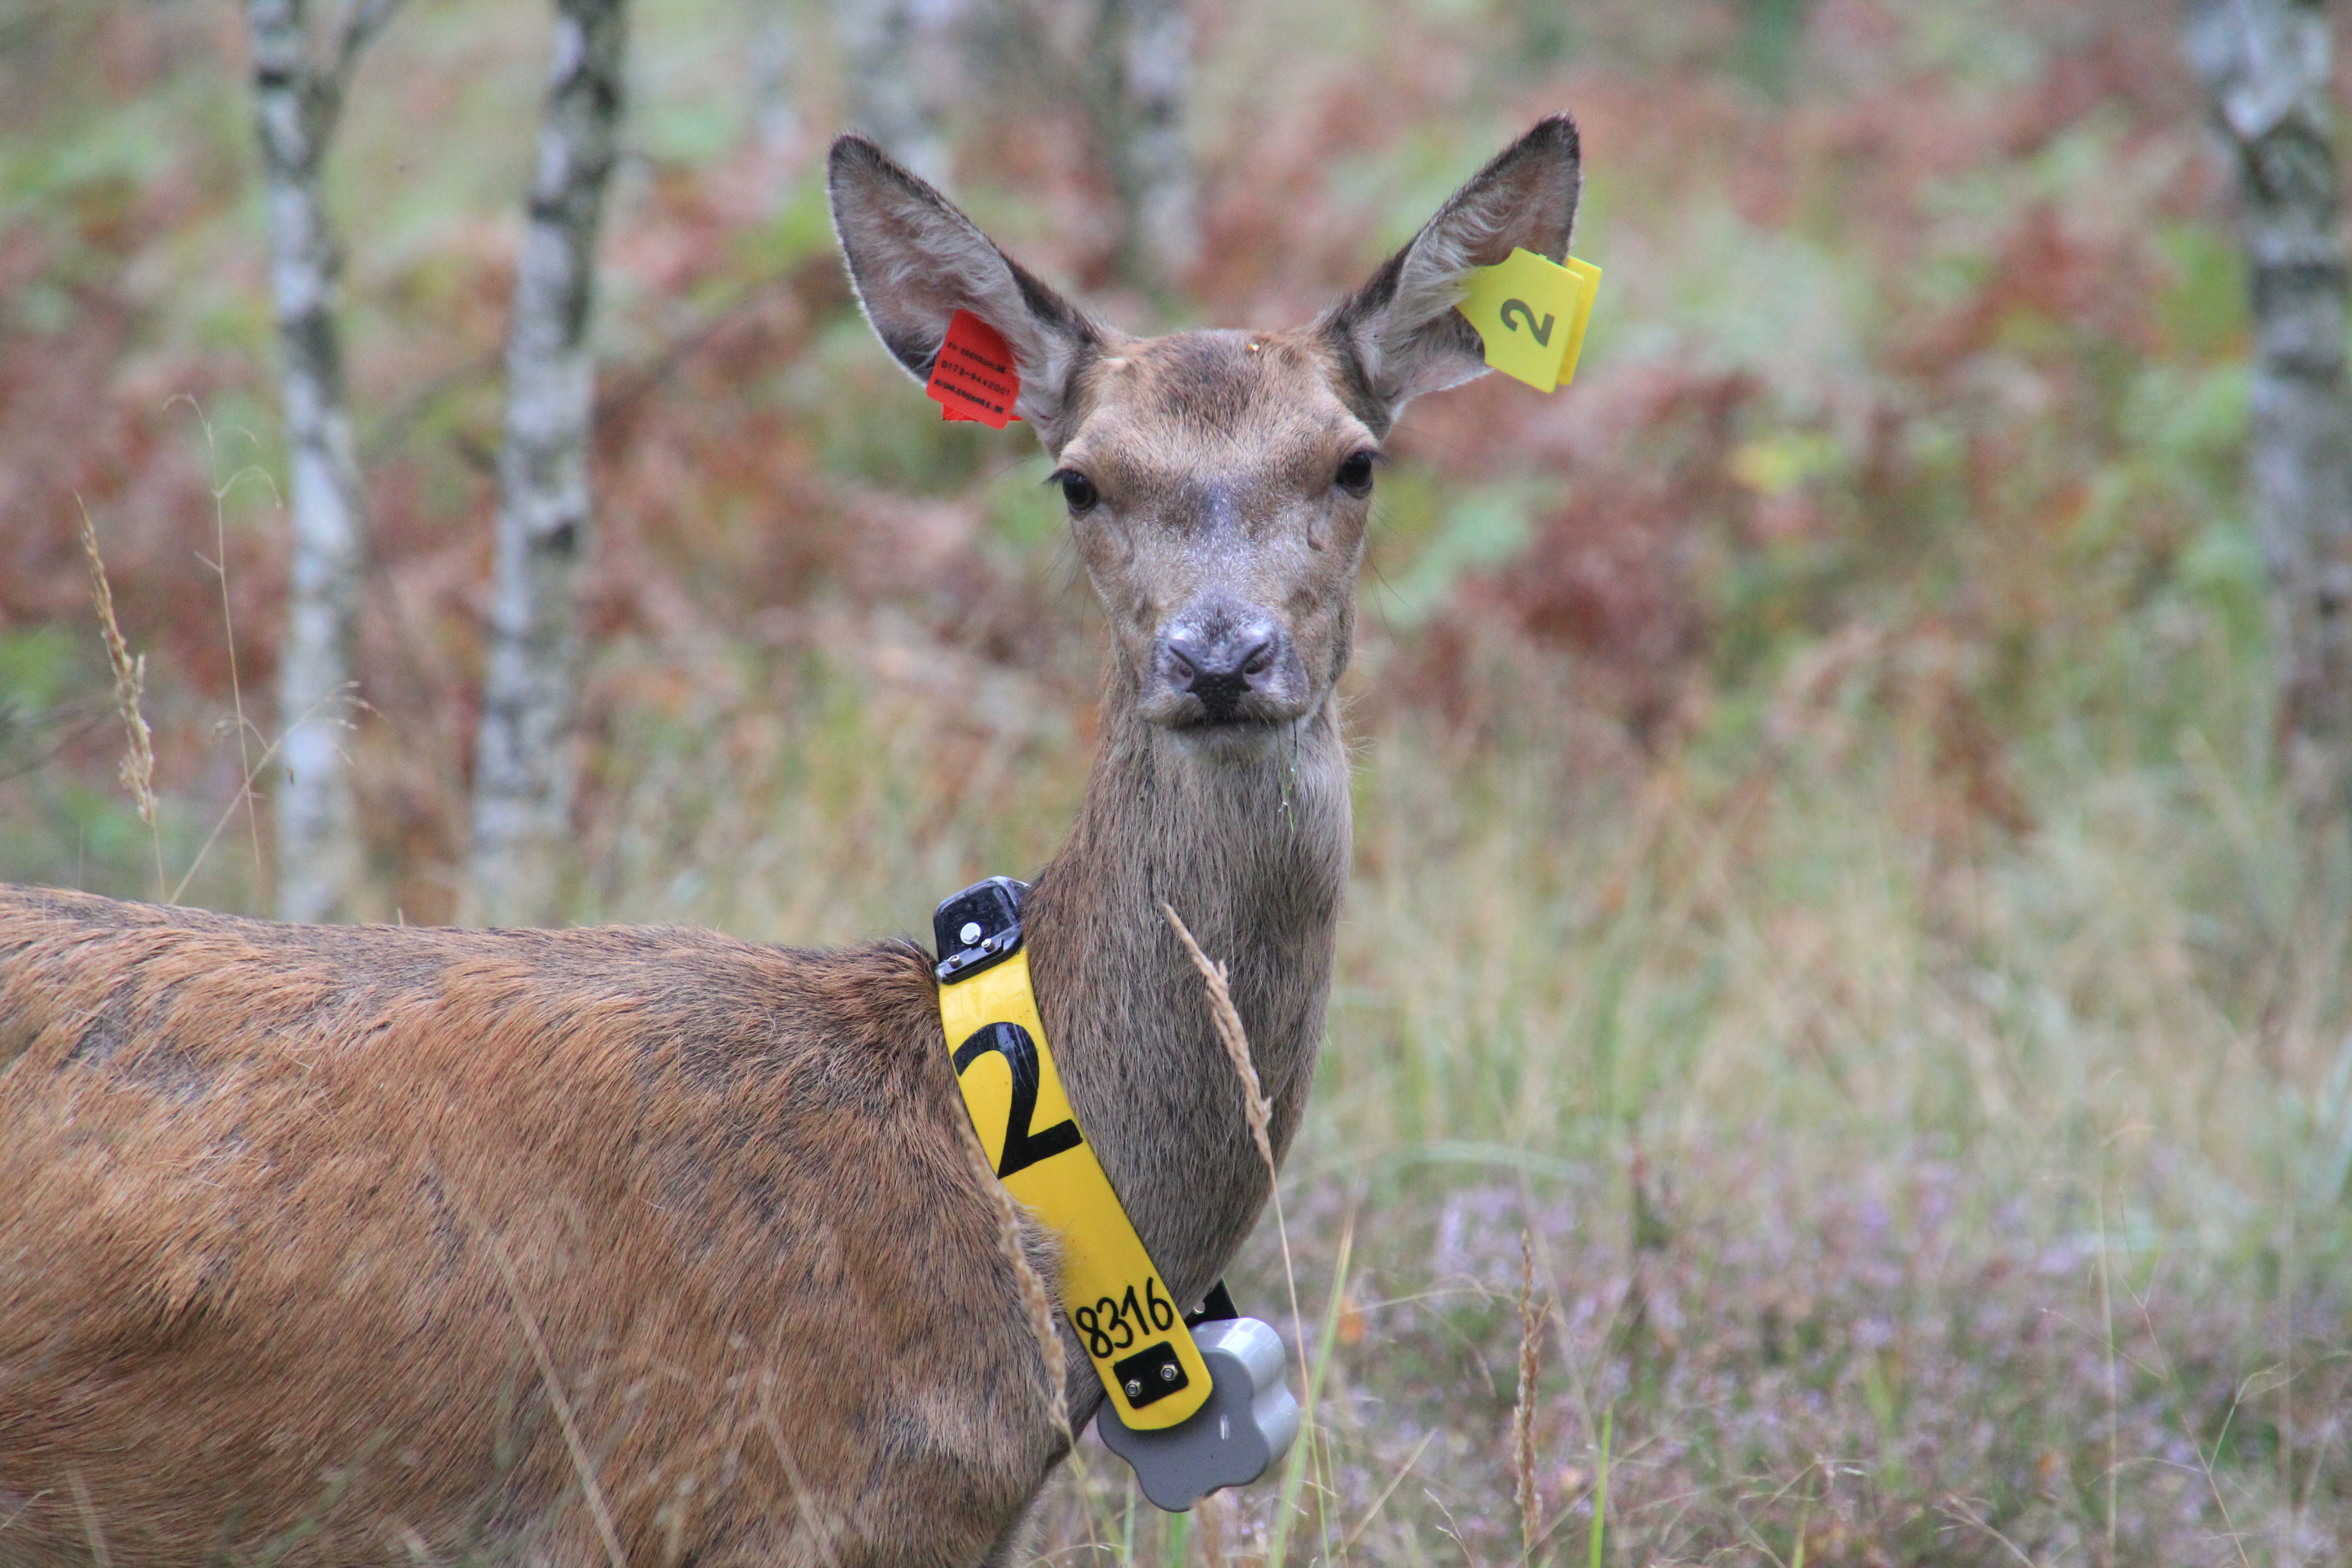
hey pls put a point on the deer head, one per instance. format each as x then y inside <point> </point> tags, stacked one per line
<point>1219,482</point>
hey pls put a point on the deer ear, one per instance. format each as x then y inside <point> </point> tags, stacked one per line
<point>914,261</point>
<point>1401,332</point>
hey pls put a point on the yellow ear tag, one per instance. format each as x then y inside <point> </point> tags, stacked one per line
<point>1531,312</point>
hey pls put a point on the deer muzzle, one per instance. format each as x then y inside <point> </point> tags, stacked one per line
<point>1221,664</point>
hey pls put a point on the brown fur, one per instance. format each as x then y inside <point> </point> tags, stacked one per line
<point>289,1215</point>
<point>258,1174</point>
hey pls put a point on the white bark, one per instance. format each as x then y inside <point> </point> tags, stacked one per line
<point>297,99</point>
<point>523,770</point>
<point>1152,49</point>
<point>903,68</point>
<point>775,118</point>
<point>2266,64</point>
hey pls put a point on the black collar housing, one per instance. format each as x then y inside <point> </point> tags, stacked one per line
<point>978,927</point>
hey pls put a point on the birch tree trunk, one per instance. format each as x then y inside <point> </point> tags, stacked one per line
<point>297,100</point>
<point>2266,64</point>
<point>902,68</point>
<point>1149,55</point>
<point>775,50</point>
<point>523,770</point>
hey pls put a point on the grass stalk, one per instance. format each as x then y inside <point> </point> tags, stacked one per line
<point>2114,1402</point>
<point>1523,1411</point>
<point>581,1463</point>
<point>1387,1491</point>
<point>812,1522</point>
<point>1230,1034</point>
<point>1036,1300</point>
<point>98,1555</point>
<point>1175,1540</point>
<point>129,683</point>
<point>1295,1469</point>
<point>1597,1544</point>
<point>247,732</point>
<point>1259,1114</point>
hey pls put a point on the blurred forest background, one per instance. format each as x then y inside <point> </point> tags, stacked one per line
<point>1823,867</point>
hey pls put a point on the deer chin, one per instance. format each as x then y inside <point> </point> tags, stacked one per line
<point>1236,738</point>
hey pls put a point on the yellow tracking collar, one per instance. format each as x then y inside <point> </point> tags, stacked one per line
<point>1125,1315</point>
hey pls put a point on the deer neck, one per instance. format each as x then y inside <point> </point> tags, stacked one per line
<point>1253,853</point>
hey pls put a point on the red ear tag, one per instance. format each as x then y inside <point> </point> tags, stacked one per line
<point>975,378</point>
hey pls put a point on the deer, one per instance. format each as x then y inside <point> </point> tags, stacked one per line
<point>644,1247</point>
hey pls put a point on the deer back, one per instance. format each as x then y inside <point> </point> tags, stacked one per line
<point>344,1224</point>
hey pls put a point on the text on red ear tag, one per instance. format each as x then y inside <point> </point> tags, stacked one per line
<point>974,377</point>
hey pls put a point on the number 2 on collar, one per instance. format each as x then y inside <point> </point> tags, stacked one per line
<point>1125,1315</point>
<point>1022,1147</point>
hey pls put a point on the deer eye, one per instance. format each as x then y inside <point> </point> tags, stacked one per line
<point>1355,475</point>
<point>1077,489</point>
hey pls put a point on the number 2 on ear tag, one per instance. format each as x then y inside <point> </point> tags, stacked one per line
<point>1531,312</point>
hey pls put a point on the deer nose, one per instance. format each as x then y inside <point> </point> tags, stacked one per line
<point>1221,662</point>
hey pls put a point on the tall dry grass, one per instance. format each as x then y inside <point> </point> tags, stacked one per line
<point>1818,876</point>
